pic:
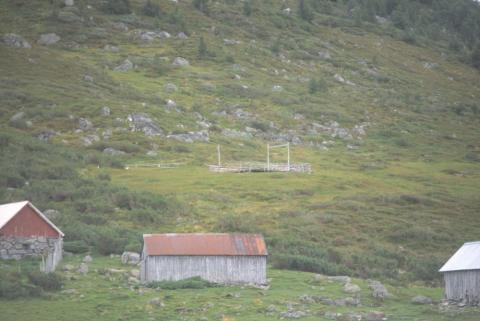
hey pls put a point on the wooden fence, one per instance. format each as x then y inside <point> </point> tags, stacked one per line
<point>261,167</point>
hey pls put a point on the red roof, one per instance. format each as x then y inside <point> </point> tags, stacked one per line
<point>205,244</point>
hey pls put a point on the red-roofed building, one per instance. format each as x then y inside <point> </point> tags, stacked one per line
<point>215,257</point>
<point>25,231</point>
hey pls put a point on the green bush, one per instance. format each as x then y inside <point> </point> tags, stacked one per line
<point>201,5</point>
<point>116,7</point>
<point>46,281</point>
<point>76,247</point>
<point>426,269</point>
<point>13,285</point>
<point>151,9</point>
<point>317,85</point>
<point>247,7</point>
<point>191,283</point>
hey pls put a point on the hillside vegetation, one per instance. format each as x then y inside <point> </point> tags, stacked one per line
<point>381,97</point>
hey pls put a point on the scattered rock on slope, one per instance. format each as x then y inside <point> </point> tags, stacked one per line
<point>143,122</point>
<point>130,258</point>
<point>190,137</point>
<point>421,299</point>
<point>113,152</point>
<point>13,40</point>
<point>48,39</point>
<point>126,65</point>
<point>379,291</point>
<point>180,62</point>
<point>105,111</point>
<point>170,87</point>
<point>84,124</point>
<point>351,288</point>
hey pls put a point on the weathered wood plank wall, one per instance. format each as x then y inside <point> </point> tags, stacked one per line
<point>219,269</point>
<point>463,286</point>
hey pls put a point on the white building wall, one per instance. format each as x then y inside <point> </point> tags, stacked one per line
<point>219,269</point>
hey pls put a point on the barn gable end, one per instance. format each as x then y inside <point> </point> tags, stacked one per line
<point>26,232</point>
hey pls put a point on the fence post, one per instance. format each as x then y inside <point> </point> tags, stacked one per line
<point>268,157</point>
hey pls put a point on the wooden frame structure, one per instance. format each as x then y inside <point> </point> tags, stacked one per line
<point>242,167</point>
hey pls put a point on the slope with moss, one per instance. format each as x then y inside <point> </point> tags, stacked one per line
<point>389,125</point>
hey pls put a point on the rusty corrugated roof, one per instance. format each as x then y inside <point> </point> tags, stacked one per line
<point>204,244</point>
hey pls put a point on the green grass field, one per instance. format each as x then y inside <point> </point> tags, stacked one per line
<point>102,296</point>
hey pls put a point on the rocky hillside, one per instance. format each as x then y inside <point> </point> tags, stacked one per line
<point>387,116</point>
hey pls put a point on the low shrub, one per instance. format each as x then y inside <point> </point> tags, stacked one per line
<point>46,281</point>
<point>191,283</point>
<point>116,7</point>
<point>151,9</point>
<point>76,247</point>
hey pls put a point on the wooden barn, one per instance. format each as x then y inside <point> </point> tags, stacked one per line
<point>25,231</point>
<point>462,275</point>
<point>220,258</point>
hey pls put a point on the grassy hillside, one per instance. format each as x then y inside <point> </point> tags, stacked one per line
<point>388,119</point>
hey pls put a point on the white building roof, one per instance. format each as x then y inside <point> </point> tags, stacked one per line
<point>8,211</point>
<point>466,258</point>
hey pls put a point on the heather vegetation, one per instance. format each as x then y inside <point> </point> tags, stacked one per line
<point>381,97</point>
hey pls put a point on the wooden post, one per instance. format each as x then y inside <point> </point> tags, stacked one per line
<point>218,153</point>
<point>268,157</point>
<point>288,156</point>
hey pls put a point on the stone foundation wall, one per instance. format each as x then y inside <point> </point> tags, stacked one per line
<point>20,247</point>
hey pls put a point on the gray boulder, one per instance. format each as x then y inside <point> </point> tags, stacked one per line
<point>126,65</point>
<point>111,48</point>
<point>156,302</point>
<point>113,152</point>
<point>131,258</point>
<point>46,134</point>
<point>233,133</point>
<point>180,62</point>
<point>342,80</point>
<point>182,35</point>
<point>84,124</point>
<point>87,259</point>
<point>171,104</point>
<point>373,316</point>
<point>430,65</point>
<point>142,122</point>
<point>83,268</point>
<point>293,314</point>
<point>191,137</point>
<point>68,16</point>
<point>105,111</point>
<point>231,42</point>
<point>351,288</point>
<point>69,3</point>
<point>120,26</point>
<point>325,55</point>
<point>18,116</point>
<point>90,139</point>
<point>421,299</point>
<point>88,78</point>
<point>48,39</point>
<point>170,87</point>
<point>379,291</point>
<point>13,40</point>
<point>277,88</point>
